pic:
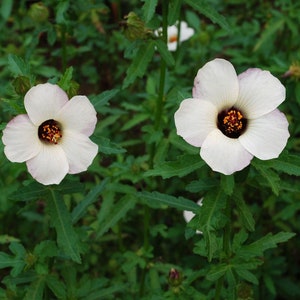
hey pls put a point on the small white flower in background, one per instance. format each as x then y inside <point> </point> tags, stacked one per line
<point>189,215</point>
<point>233,118</point>
<point>173,34</point>
<point>53,137</point>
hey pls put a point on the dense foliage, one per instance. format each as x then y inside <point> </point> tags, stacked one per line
<point>117,230</point>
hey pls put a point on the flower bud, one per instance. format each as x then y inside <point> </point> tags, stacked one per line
<point>175,277</point>
<point>21,85</point>
<point>293,71</point>
<point>38,12</point>
<point>244,291</point>
<point>135,27</point>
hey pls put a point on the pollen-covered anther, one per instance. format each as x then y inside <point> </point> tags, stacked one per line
<point>232,122</point>
<point>50,132</point>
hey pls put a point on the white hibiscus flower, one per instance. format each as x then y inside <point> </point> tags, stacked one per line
<point>233,118</point>
<point>173,34</point>
<point>53,137</point>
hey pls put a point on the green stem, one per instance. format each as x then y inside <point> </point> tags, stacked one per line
<point>163,67</point>
<point>162,77</point>
<point>226,245</point>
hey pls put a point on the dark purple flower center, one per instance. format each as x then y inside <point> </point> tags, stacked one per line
<point>232,122</point>
<point>50,132</point>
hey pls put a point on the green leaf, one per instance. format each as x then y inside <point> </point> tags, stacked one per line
<point>56,286</point>
<point>6,7</point>
<point>116,214</point>
<point>174,11</point>
<point>149,9</point>
<point>271,29</point>
<point>184,165</point>
<point>267,242</point>
<point>227,184</point>
<point>67,238</point>
<point>140,63</point>
<point>18,66</point>
<point>217,271</point>
<point>106,146</point>
<point>102,99</point>
<point>164,52</point>
<point>202,185</point>
<point>45,249</point>
<point>244,212</point>
<point>289,164</point>
<point>65,80</point>
<point>36,289</point>
<point>33,191</point>
<point>271,177</point>
<point>211,218</point>
<point>247,275</point>
<point>209,11</point>
<point>17,262</point>
<point>157,199</point>
<point>79,211</point>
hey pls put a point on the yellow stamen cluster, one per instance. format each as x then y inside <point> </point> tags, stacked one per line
<point>49,131</point>
<point>232,121</point>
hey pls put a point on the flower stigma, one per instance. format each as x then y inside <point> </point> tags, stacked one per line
<point>232,122</point>
<point>50,132</point>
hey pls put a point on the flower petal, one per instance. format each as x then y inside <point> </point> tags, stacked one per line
<point>260,93</point>
<point>43,101</point>
<point>217,82</point>
<point>266,136</point>
<point>194,120</point>
<point>223,154</point>
<point>20,138</point>
<point>78,115</point>
<point>79,149</point>
<point>50,166</point>
<point>185,31</point>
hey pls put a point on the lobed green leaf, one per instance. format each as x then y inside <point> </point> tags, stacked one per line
<point>149,9</point>
<point>184,165</point>
<point>116,214</point>
<point>156,199</point>
<point>209,11</point>
<point>140,63</point>
<point>67,238</point>
<point>79,211</point>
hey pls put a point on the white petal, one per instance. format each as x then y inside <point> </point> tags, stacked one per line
<point>266,136</point>
<point>80,151</point>
<point>189,215</point>
<point>223,154</point>
<point>20,138</point>
<point>78,115</point>
<point>43,101</point>
<point>172,46</point>
<point>217,82</point>
<point>185,31</point>
<point>50,166</point>
<point>260,93</point>
<point>195,119</point>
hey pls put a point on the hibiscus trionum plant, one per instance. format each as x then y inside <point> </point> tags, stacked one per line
<point>53,137</point>
<point>233,118</point>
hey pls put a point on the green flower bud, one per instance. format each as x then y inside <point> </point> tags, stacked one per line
<point>38,12</point>
<point>21,85</point>
<point>135,27</point>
